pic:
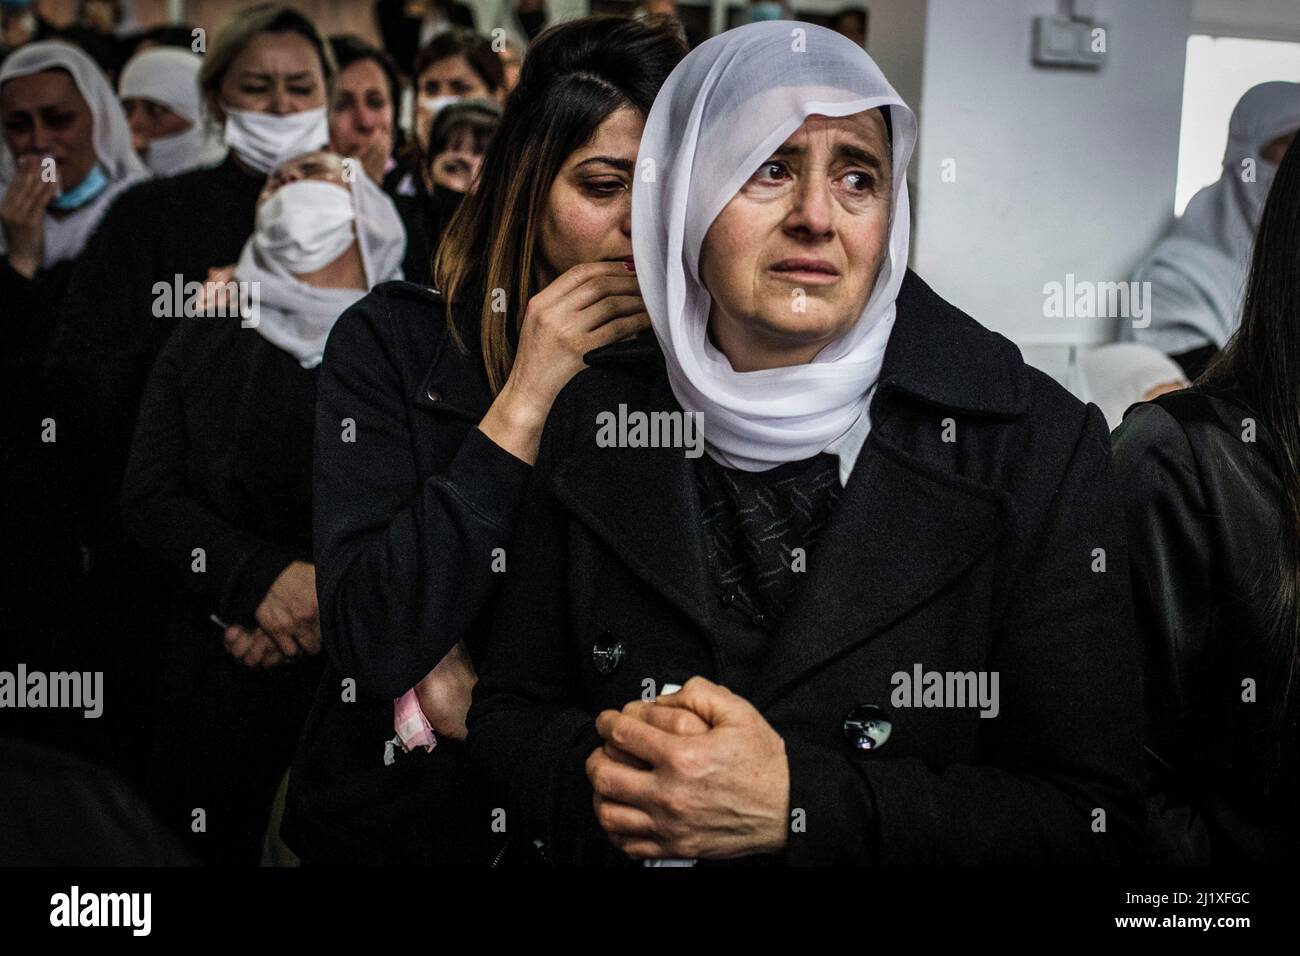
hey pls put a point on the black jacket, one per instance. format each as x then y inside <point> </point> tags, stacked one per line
<point>406,520</point>
<point>968,555</point>
<point>222,461</point>
<point>1203,506</point>
<point>114,319</point>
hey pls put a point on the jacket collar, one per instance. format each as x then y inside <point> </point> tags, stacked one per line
<point>454,383</point>
<point>924,524</point>
<point>938,354</point>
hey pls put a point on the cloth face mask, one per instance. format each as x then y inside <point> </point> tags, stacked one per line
<point>262,140</point>
<point>306,225</point>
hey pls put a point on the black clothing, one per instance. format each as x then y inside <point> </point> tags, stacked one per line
<point>418,261</point>
<point>401,34</point>
<point>58,810</point>
<point>118,311</point>
<point>42,564</point>
<point>1203,501</point>
<point>760,528</point>
<point>222,462</point>
<point>1194,361</point>
<point>408,519</point>
<point>119,307</point>
<point>971,555</point>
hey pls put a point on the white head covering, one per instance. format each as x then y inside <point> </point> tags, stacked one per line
<point>1198,272</point>
<point>725,108</point>
<point>297,317</point>
<point>170,76</point>
<point>65,237</point>
<point>1115,376</point>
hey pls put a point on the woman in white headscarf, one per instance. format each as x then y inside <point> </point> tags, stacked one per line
<point>57,106</point>
<point>160,93</point>
<point>64,159</point>
<point>826,488</point>
<point>1198,271</point>
<point>222,462</point>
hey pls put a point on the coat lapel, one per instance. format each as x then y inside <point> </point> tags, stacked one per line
<point>900,533</point>
<point>644,505</point>
<point>904,528</point>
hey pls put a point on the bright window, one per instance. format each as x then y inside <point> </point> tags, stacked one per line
<point>1219,71</point>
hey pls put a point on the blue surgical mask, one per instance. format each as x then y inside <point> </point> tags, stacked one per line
<point>766,11</point>
<point>96,182</point>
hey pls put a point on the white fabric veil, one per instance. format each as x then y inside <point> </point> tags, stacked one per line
<point>170,76</point>
<point>725,108</point>
<point>65,237</point>
<point>1198,271</point>
<point>298,317</point>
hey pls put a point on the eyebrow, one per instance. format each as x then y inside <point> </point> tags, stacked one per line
<point>257,75</point>
<point>854,153</point>
<point>618,163</point>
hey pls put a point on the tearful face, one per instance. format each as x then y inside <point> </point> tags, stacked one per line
<point>791,260</point>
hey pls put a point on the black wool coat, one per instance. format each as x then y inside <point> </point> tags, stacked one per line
<point>975,554</point>
<point>407,515</point>
<point>221,461</point>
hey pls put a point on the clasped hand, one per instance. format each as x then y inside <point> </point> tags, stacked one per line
<point>695,774</point>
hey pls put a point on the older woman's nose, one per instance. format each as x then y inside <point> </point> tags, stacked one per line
<point>813,204</point>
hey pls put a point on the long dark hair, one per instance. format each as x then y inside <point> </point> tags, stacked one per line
<point>1262,360</point>
<point>575,75</point>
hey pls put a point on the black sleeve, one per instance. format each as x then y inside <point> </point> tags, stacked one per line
<point>30,308</point>
<point>103,347</point>
<point>1173,595</point>
<point>403,566</point>
<point>163,515</point>
<point>1066,742</point>
<point>529,741</point>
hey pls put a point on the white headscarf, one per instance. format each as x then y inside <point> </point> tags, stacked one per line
<point>170,76</point>
<point>65,238</point>
<point>1198,272</point>
<point>724,110</point>
<point>1118,375</point>
<point>297,317</point>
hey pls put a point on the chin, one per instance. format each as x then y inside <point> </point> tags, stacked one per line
<point>819,322</point>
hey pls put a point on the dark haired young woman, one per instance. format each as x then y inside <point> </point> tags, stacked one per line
<point>453,67</point>
<point>430,412</point>
<point>1212,475</point>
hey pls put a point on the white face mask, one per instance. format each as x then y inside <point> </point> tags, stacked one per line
<point>263,140</point>
<point>305,226</point>
<point>168,155</point>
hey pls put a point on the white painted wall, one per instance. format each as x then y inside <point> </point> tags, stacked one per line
<point>1058,171</point>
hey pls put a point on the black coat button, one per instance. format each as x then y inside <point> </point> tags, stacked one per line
<point>607,654</point>
<point>433,394</point>
<point>867,727</point>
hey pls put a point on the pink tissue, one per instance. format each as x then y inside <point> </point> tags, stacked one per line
<point>410,723</point>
